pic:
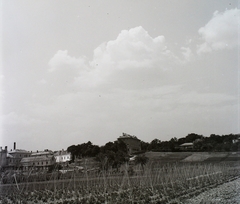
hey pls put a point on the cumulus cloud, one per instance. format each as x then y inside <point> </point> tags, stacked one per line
<point>63,70</point>
<point>62,58</point>
<point>221,32</point>
<point>134,47</point>
<point>133,57</point>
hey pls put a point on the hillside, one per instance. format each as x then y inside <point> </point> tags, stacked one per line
<point>166,157</point>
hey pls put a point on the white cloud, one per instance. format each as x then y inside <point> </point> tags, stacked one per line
<point>187,53</point>
<point>221,32</point>
<point>132,48</point>
<point>203,48</point>
<point>63,70</point>
<point>62,58</point>
<point>132,58</point>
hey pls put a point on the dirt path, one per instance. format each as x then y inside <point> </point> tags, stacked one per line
<point>227,193</point>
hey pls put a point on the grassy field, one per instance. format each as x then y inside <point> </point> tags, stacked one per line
<point>166,157</point>
<point>158,182</point>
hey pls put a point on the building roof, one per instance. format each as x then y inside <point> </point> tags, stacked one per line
<point>40,153</point>
<point>36,159</point>
<point>9,155</point>
<point>19,151</point>
<point>186,144</point>
<point>61,152</point>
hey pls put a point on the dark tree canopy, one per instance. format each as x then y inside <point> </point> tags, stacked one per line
<point>115,153</point>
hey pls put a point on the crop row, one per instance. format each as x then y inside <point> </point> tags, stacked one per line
<point>168,184</point>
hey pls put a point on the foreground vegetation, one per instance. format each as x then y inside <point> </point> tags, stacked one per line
<point>151,183</point>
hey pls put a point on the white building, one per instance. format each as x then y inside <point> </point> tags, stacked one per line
<point>62,156</point>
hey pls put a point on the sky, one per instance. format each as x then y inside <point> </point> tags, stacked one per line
<point>78,71</point>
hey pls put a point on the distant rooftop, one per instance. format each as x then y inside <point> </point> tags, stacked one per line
<point>9,155</point>
<point>186,144</point>
<point>61,152</point>
<point>18,151</point>
<point>36,158</point>
<point>42,153</point>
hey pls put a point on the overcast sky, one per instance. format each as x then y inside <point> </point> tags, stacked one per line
<point>78,71</point>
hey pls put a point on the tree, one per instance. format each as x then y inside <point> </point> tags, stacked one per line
<point>74,151</point>
<point>111,159</point>
<point>103,161</point>
<point>181,140</point>
<point>198,145</point>
<point>154,145</point>
<point>141,159</point>
<point>83,150</point>
<point>144,146</point>
<point>95,150</point>
<point>55,167</point>
<point>207,147</point>
<point>192,137</point>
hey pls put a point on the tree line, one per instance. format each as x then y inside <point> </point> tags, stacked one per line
<point>113,154</point>
<point>220,143</point>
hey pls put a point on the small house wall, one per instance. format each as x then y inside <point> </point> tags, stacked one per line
<point>133,144</point>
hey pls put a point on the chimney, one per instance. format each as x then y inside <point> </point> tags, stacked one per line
<point>14,146</point>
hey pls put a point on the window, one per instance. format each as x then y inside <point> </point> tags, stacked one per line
<point>46,162</point>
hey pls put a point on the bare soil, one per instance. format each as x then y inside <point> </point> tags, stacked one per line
<point>227,193</point>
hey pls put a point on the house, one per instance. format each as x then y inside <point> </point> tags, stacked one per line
<point>132,142</point>
<point>62,156</point>
<point>11,159</point>
<point>15,157</point>
<point>42,153</point>
<point>3,157</point>
<point>38,160</point>
<point>186,146</point>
